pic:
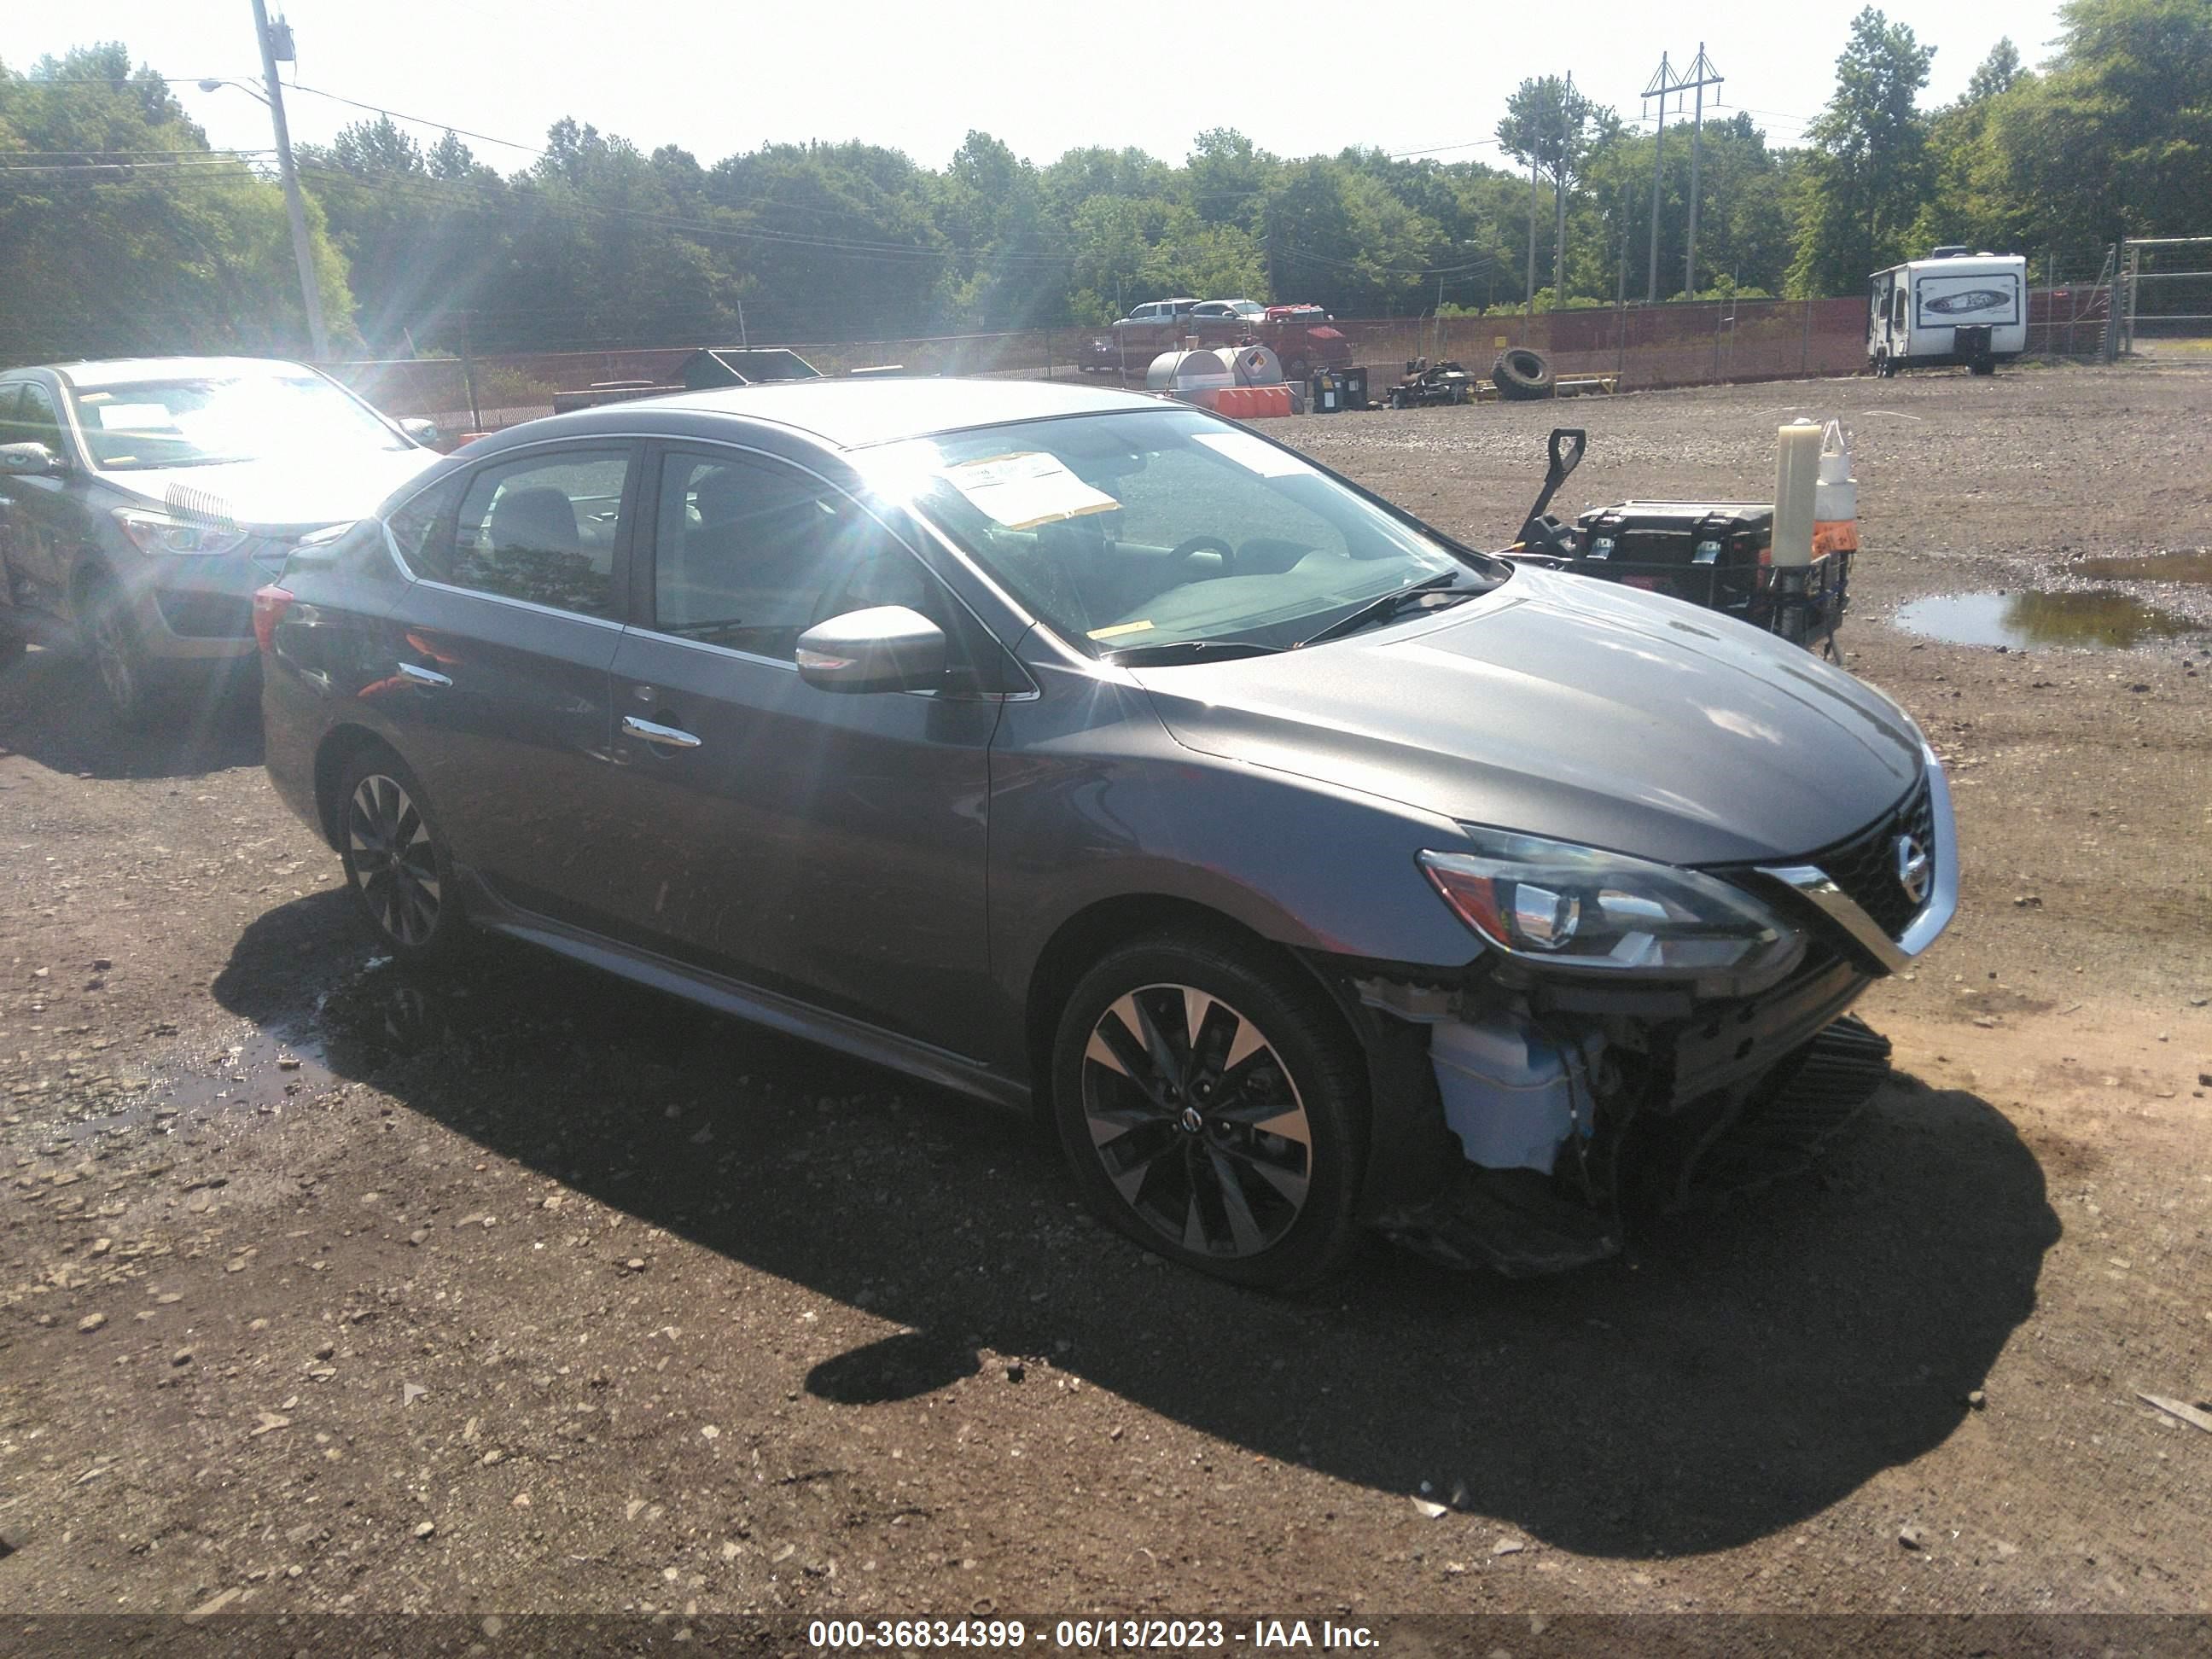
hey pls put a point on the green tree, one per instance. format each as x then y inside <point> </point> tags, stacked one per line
<point>1337,236</point>
<point>2115,136</point>
<point>1996,73</point>
<point>1967,201</point>
<point>122,232</point>
<point>1226,177</point>
<point>1866,176</point>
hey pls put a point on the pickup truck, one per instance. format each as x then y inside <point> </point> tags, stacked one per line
<point>1300,335</point>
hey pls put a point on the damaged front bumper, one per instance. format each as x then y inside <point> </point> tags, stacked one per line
<point>1529,1124</point>
<point>1522,1112</point>
<point>1521,1117</point>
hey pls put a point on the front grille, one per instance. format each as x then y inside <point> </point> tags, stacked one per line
<point>1865,865</point>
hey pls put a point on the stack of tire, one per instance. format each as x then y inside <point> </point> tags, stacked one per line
<point>1521,376</point>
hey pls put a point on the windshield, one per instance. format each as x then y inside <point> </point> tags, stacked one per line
<point>162,424</point>
<point>1154,529</point>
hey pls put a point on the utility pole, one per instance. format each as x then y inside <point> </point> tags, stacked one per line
<point>1701,74</point>
<point>1661,84</point>
<point>310,295</point>
<point>1528,292</point>
<point>1559,191</point>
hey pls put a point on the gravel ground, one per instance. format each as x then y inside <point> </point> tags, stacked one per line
<point>524,1291</point>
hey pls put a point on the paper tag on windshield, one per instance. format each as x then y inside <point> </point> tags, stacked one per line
<point>1255,455</point>
<point>1024,490</point>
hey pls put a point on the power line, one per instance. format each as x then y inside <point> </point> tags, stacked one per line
<point>227,164</point>
<point>427,188</point>
<point>1439,150</point>
<point>130,155</point>
<point>419,120</point>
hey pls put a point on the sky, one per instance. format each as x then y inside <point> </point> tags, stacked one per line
<point>1045,76</point>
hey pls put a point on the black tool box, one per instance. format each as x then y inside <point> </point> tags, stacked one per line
<point>1717,555</point>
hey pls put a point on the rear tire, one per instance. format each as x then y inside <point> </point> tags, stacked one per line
<point>396,862</point>
<point>1236,1149</point>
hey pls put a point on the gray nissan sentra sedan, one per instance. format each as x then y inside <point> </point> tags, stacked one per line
<point>1313,871</point>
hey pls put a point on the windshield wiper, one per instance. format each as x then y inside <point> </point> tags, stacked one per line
<point>1171,652</point>
<point>1383,608</point>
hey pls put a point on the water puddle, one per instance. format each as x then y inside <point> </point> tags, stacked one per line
<point>2096,620</point>
<point>2192,567</point>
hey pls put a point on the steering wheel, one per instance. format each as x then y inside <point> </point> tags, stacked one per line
<point>1182,553</point>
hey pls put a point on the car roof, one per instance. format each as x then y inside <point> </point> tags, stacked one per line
<point>123,371</point>
<point>856,414</point>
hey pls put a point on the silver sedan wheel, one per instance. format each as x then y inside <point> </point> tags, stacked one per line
<point>1196,1120</point>
<point>394,863</point>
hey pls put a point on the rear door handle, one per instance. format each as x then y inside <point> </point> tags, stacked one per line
<point>414,676</point>
<point>668,736</point>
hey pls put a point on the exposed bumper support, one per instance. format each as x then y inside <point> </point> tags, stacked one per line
<point>1519,1222</point>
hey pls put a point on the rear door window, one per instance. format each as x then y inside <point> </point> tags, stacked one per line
<point>545,530</point>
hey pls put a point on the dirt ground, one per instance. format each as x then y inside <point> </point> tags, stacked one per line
<point>524,1291</point>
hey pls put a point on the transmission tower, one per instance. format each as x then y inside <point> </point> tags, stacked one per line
<point>1661,84</point>
<point>1701,74</point>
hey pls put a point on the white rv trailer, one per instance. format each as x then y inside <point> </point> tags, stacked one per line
<point>1952,308</point>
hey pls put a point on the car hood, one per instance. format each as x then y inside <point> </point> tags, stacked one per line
<point>1566,707</point>
<point>293,492</point>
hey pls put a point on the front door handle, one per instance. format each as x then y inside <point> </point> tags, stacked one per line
<point>668,736</point>
<point>414,676</point>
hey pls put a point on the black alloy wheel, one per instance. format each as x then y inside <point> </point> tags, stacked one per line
<point>395,861</point>
<point>1210,1107</point>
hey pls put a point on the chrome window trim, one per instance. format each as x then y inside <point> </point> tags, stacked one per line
<point>790,667</point>
<point>707,645</point>
<point>1894,954</point>
<point>520,604</point>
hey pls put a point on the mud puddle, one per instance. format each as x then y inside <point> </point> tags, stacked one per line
<point>2096,620</point>
<point>2192,568</point>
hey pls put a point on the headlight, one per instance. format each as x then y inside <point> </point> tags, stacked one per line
<point>157,532</point>
<point>1578,908</point>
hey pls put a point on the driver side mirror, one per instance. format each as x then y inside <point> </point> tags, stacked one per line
<point>423,431</point>
<point>31,460</point>
<point>886,647</point>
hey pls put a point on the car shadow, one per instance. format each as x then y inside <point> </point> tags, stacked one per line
<point>1744,1369</point>
<point>51,712</point>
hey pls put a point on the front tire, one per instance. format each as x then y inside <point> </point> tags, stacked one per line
<point>111,638</point>
<point>1213,1108</point>
<point>396,862</point>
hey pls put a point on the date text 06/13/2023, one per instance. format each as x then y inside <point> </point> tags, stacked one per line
<point>1089,1635</point>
